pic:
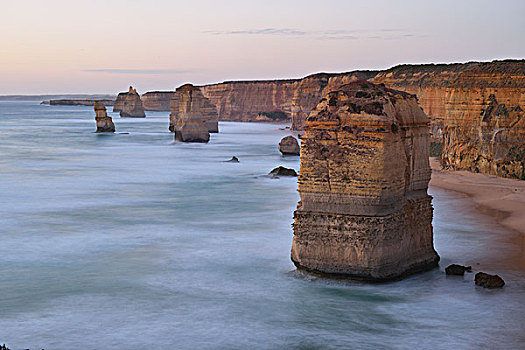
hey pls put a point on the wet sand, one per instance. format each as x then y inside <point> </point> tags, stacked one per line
<point>501,198</point>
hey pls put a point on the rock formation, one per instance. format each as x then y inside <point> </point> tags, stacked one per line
<point>364,209</point>
<point>104,123</point>
<point>484,127</point>
<point>189,102</point>
<point>192,116</point>
<point>488,281</point>
<point>157,101</point>
<point>289,146</point>
<point>282,171</point>
<point>457,270</point>
<point>275,100</point>
<point>78,102</point>
<point>129,104</point>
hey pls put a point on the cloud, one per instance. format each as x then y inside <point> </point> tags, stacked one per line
<point>332,34</point>
<point>264,31</point>
<point>138,71</point>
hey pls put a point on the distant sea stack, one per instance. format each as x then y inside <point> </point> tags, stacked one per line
<point>104,123</point>
<point>364,209</point>
<point>189,102</point>
<point>192,116</point>
<point>129,104</point>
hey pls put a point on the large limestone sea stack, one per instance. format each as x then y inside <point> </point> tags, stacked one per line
<point>104,123</point>
<point>364,209</point>
<point>192,116</point>
<point>129,104</point>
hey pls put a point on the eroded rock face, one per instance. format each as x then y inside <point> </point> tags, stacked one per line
<point>289,146</point>
<point>364,209</point>
<point>275,100</point>
<point>192,116</point>
<point>104,123</point>
<point>484,129</point>
<point>129,104</point>
<point>157,100</point>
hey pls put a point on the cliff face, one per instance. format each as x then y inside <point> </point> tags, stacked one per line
<point>484,128</point>
<point>364,208</point>
<point>192,115</point>
<point>129,104</point>
<point>157,100</point>
<point>429,82</point>
<point>277,100</point>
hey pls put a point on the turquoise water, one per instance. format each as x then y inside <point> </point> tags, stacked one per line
<point>132,241</point>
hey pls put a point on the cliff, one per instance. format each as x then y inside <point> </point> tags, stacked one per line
<point>274,100</point>
<point>157,100</point>
<point>77,102</point>
<point>484,124</point>
<point>364,208</point>
<point>192,116</point>
<point>129,104</point>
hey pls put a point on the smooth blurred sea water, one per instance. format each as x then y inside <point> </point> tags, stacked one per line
<point>132,241</point>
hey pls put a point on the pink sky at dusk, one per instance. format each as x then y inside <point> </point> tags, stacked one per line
<point>60,46</point>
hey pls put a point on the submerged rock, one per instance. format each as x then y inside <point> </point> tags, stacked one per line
<point>282,171</point>
<point>488,281</point>
<point>189,102</point>
<point>457,270</point>
<point>104,123</point>
<point>233,160</point>
<point>129,104</point>
<point>289,146</point>
<point>364,210</point>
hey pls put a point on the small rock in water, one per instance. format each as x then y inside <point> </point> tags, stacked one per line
<point>233,160</point>
<point>289,146</point>
<point>457,270</point>
<point>282,171</point>
<point>488,281</point>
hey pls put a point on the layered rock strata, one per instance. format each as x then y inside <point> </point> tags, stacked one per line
<point>484,126</point>
<point>275,100</point>
<point>195,105</point>
<point>364,209</point>
<point>104,123</point>
<point>289,146</point>
<point>192,116</point>
<point>129,104</point>
<point>158,101</point>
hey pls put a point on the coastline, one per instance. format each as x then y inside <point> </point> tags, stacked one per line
<point>501,198</point>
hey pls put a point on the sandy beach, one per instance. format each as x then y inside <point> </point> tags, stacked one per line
<point>501,198</point>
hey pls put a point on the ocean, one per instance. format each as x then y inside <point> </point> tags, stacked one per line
<point>130,240</point>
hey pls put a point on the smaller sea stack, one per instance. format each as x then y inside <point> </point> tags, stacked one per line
<point>192,116</point>
<point>129,104</point>
<point>104,123</point>
<point>289,146</point>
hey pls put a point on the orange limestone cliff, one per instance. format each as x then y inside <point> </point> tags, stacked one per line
<point>364,209</point>
<point>158,101</point>
<point>129,104</point>
<point>274,100</point>
<point>192,116</point>
<point>484,128</point>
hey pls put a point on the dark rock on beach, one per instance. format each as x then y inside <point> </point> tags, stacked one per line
<point>233,160</point>
<point>457,270</point>
<point>488,281</point>
<point>282,171</point>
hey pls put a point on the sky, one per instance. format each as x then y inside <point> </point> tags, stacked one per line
<point>68,46</point>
